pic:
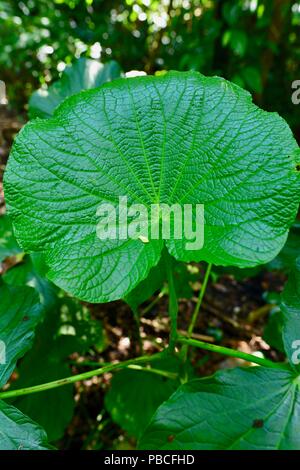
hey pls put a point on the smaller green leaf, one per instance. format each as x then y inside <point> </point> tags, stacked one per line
<point>285,260</point>
<point>273,330</point>
<point>290,308</point>
<point>18,432</point>
<point>66,329</point>
<point>231,12</point>
<point>76,331</point>
<point>20,311</point>
<point>8,243</point>
<point>135,395</point>
<point>238,42</point>
<point>155,282</point>
<point>239,409</point>
<point>238,80</point>
<point>252,77</point>
<point>84,74</point>
<point>30,272</point>
<point>52,409</point>
<point>183,278</point>
<point>145,289</point>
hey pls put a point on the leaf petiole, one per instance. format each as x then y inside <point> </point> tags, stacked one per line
<point>173,304</point>
<point>232,353</point>
<point>192,324</point>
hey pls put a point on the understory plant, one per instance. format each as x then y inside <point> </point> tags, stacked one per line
<point>174,139</point>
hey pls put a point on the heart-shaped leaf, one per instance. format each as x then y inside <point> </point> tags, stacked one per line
<point>181,138</point>
<point>254,409</point>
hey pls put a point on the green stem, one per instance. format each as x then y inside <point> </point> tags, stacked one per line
<point>196,310</point>
<point>78,377</point>
<point>230,352</point>
<point>173,304</point>
<point>136,317</point>
<point>163,373</point>
<point>140,360</point>
<point>199,301</point>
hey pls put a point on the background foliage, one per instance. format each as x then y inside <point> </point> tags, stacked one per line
<point>255,43</point>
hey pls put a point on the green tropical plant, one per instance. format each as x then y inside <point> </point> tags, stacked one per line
<point>176,138</point>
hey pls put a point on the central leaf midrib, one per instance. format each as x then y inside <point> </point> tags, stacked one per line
<point>142,142</point>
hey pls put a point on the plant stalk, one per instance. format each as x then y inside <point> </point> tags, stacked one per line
<point>163,373</point>
<point>78,377</point>
<point>173,304</point>
<point>199,301</point>
<point>192,324</point>
<point>140,347</point>
<point>231,352</point>
<point>141,360</point>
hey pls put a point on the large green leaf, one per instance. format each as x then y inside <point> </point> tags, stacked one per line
<point>20,311</point>
<point>290,309</point>
<point>18,432</point>
<point>82,75</point>
<point>254,409</point>
<point>179,138</point>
